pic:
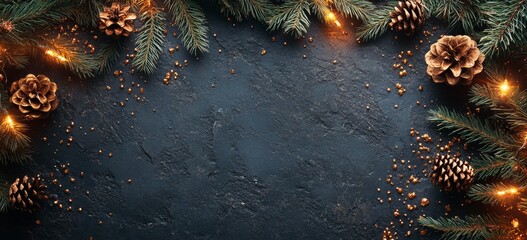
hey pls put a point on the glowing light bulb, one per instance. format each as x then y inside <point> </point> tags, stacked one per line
<point>9,121</point>
<point>56,55</point>
<point>513,191</point>
<point>331,17</point>
<point>515,223</point>
<point>501,193</point>
<point>504,88</point>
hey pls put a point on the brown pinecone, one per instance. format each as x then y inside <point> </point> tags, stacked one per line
<point>25,195</point>
<point>117,20</point>
<point>454,59</point>
<point>35,96</point>
<point>451,173</point>
<point>408,16</point>
<point>6,26</point>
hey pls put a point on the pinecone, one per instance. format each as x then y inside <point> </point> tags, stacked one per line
<point>451,173</point>
<point>25,195</point>
<point>454,59</point>
<point>408,16</point>
<point>35,96</point>
<point>117,20</point>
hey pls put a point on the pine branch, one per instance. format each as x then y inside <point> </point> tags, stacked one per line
<point>522,205</point>
<point>358,9</point>
<point>292,18</point>
<point>491,140</point>
<point>494,193</point>
<point>68,54</point>
<point>377,23</point>
<point>14,145</point>
<point>260,10</point>
<point>486,166</point>
<point>108,54</point>
<point>151,37</point>
<point>507,21</point>
<point>475,227</point>
<point>32,16</point>
<point>86,13</point>
<point>459,12</point>
<point>4,193</point>
<point>190,19</point>
<point>231,8</point>
<point>511,108</point>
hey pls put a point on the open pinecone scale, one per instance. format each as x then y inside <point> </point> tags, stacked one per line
<point>451,173</point>
<point>25,194</point>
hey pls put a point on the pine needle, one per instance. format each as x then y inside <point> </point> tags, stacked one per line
<point>151,37</point>
<point>476,227</point>
<point>292,18</point>
<point>108,54</point>
<point>376,25</point>
<point>260,10</point>
<point>4,193</point>
<point>231,8</point>
<point>507,21</point>
<point>190,19</point>
<point>358,9</point>
<point>68,54</point>
<point>473,130</point>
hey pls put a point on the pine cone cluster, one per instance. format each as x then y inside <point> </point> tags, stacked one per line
<point>25,195</point>
<point>451,173</point>
<point>454,59</point>
<point>117,20</point>
<point>408,16</point>
<point>35,96</point>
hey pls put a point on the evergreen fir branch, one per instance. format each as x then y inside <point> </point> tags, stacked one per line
<point>14,145</point>
<point>494,193</point>
<point>260,10</point>
<point>358,9</point>
<point>108,54</point>
<point>522,205</point>
<point>472,227</point>
<point>4,193</point>
<point>151,37</point>
<point>468,14</point>
<point>507,21</point>
<point>320,9</point>
<point>231,8</point>
<point>486,166</point>
<point>86,13</point>
<point>292,18</point>
<point>190,19</point>
<point>511,108</point>
<point>376,25</point>
<point>32,16</point>
<point>69,55</point>
<point>473,130</point>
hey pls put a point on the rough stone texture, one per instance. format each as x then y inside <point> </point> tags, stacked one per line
<point>283,149</point>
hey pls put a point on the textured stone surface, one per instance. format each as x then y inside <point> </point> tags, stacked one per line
<point>285,148</point>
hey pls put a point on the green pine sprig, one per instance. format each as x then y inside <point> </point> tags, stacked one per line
<point>190,19</point>
<point>151,38</point>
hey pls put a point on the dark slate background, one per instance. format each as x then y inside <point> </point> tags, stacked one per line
<point>285,148</point>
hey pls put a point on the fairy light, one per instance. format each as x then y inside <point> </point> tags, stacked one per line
<point>56,55</point>
<point>9,121</point>
<point>504,88</point>
<point>512,191</point>
<point>515,223</point>
<point>330,17</point>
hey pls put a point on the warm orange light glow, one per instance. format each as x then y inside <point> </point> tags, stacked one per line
<point>330,17</point>
<point>9,121</point>
<point>56,55</point>
<point>504,88</point>
<point>508,191</point>
<point>515,223</point>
